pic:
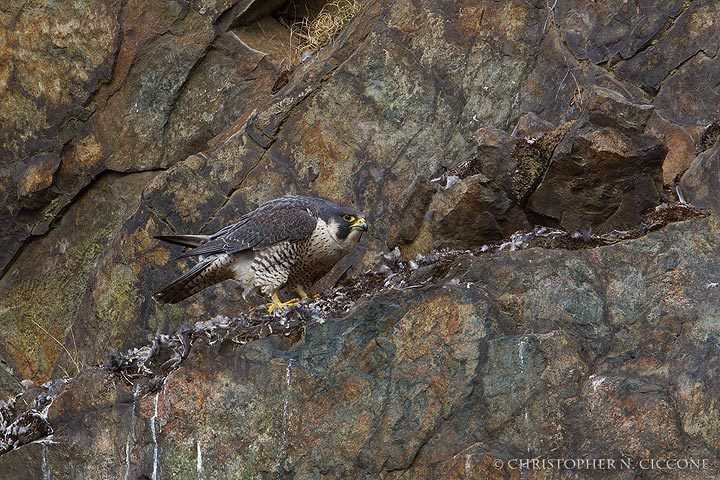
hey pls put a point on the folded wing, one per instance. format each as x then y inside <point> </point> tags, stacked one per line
<point>269,225</point>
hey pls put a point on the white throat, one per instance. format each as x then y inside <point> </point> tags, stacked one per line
<point>353,237</point>
<point>333,228</point>
<point>328,231</point>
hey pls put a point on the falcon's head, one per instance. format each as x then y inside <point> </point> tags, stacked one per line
<point>346,225</point>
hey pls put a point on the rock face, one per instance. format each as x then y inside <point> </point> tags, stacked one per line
<point>701,181</point>
<point>593,353</point>
<point>122,86</point>
<point>454,125</point>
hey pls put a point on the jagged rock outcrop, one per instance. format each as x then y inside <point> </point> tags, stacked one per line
<point>605,172</point>
<point>451,124</point>
<point>701,181</point>
<point>122,86</point>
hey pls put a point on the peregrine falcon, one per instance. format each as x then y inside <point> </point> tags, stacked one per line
<point>290,242</point>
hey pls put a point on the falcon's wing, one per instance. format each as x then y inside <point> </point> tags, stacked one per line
<point>270,224</point>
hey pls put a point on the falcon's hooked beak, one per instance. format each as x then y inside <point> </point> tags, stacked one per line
<point>359,224</point>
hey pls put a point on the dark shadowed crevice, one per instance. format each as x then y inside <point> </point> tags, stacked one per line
<point>58,216</point>
<point>252,10</point>
<point>291,31</point>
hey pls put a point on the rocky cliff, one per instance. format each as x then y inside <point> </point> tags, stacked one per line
<point>449,344</point>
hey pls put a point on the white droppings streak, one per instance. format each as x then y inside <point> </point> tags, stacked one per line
<point>526,414</point>
<point>45,465</point>
<point>153,430</point>
<point>286,414</point>
<point>131,433</point>
<point>198,462</point>
<point>286,405</point>
<point>128,446</point>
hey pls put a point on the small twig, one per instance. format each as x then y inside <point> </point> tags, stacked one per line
<point>551,12</point>
<point>578,90</point>
<point>70,356</point>
<point>301,35</point>
<point>562,82</point>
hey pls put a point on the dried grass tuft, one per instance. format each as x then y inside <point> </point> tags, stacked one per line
<point>307,36</point>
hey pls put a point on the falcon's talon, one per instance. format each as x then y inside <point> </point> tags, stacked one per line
<point>276,303</point>
<point>303,294</point>
<point>290,303</point>
<point>301,291</point>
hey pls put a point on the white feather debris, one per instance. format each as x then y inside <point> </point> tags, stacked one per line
<point>428,258</point>
<point>393,255</point>
<point>451,181</point>
<point>522,240</point>
<point>596,382</point>
<point>384,270</point>
<point>681,197</point>
<point>198,458</point>
<point>20,426</point>
<point>517,241</point>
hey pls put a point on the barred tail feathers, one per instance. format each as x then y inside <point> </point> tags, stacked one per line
<point>208,272</point>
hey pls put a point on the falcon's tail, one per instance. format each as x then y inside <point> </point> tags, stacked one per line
<point>210,271</point>
<point>184,240</point>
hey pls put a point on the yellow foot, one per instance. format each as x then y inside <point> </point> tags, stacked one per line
<point>303,295</point>
<point>276,303</point>
<point>301,291</point>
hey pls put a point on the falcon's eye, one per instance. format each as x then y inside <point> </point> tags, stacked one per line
<point>349,218</point>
